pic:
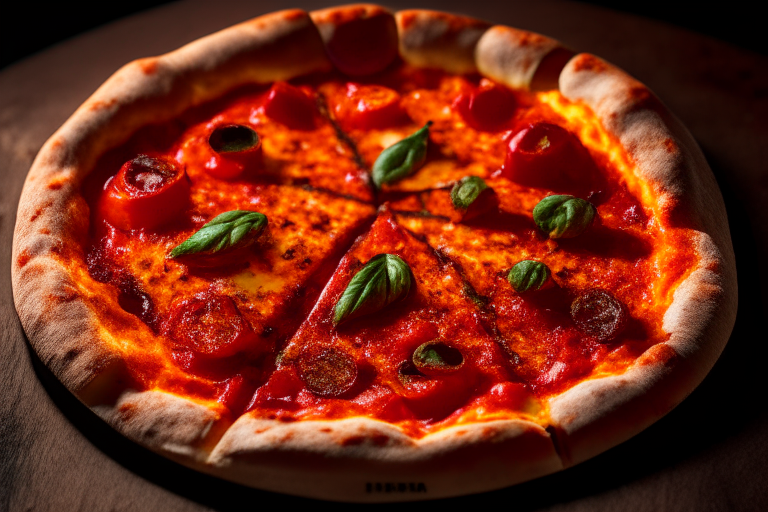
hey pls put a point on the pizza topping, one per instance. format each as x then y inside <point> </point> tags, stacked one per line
<point>489,107</point>
<point>529,275</point>
<point>473,197</point>
<point>385,279</point>
<point>437,358</point>
<point>227,231</point>
<point>367,107</point>
<point>563,216</point>
<point>147,192</point>
<point>545,155</point>
<point>402,159</point>
<point>598,314</point>
<point>290,106</point>
<point>235,149</point>
<point>211,325</point>
<point>327,372</point>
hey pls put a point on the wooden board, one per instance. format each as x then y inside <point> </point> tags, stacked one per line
<point>708,454</point>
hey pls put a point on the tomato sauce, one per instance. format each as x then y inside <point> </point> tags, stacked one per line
<point>252,329</point>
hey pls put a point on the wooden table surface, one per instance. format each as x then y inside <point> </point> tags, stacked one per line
<point>710,453</point>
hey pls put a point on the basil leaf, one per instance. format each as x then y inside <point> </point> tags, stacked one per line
<point>383,280</point>
<point>466,191</point>
<point>528,275</point>
<point>401,159</point>
<point>233,138</point>
<point>563,216</point>
<point>229,230</point>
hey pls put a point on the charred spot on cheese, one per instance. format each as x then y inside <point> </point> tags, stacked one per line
<point>545,155</point>
<point>145,193</point>
<point>437,358</point>
<point>599,315</point>
<point>211,325</point>
<point>327,371</point>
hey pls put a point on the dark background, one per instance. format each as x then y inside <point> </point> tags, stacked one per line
<point>32,28</point>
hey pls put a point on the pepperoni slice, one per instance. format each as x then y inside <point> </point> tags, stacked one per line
<point>290,106</point>
<point>545,155</point>
<point>211,325</point>
<point>234,148</point>
<point>327,371</point>
<point>490,107</point>
<point>146,193</point>
<point>367,107</point>
<point>600,315</point>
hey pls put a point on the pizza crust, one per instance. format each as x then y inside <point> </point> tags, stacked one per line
<point>600,413</point>
<point>356,455</point>
<point>433,39</point>
<point>358,458</point>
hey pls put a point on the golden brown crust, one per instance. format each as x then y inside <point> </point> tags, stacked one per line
<point>601,413</point>
<point>512,56</point>
<point>433,39</point>
<point>349,458</point>
<point>59,318</point>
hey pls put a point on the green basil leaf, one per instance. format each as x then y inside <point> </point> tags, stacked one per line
<point>437,358</point>
<point>229,230</point>
<point>383,280</point>
<point>233,138</point>
<point>401,159</point>
<point>563,216</point>
<point>466,191</point>
<point>528,275</point>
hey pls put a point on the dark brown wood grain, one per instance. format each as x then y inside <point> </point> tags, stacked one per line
<point>710,453</point>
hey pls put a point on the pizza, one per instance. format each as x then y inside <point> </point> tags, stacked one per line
<point>369,256</point>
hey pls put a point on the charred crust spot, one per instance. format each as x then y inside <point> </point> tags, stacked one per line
<point>287,437</point>
<point>71,354</point>
<point>127,411</point>
<point>380,440</point>
<point>586,62</point>
<point>23,258</point>
<point>326,430</point>
<point>285,418</point>
<point>670,145</point>
<point>40,211</point>
<point>148,66</point>
<point>353,441</point>
<point>57,182</point>
<point>661,354</point>
<point>102,105</point>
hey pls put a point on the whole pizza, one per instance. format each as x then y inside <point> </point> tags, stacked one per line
<point>361,255</point>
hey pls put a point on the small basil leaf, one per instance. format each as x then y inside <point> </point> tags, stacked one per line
<point>229,230</point>
<point>401,159</point>
<point>528,275</point>
<point>562,216</point>
<point>383,280</point>
<point>437,358</point>
<point>233,138</point>
<point>466,191</point>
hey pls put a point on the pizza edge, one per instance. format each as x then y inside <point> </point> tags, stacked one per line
<point>587,419</point>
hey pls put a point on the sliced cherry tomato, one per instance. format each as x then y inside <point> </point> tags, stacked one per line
<point>545,155</point>
<point>363,46</point>
<point>368,107</point>
<point>290,106</point>
<point>147,192</point>
<point>234,149</point>
<point>211,325</point>
<point>490,107</point>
